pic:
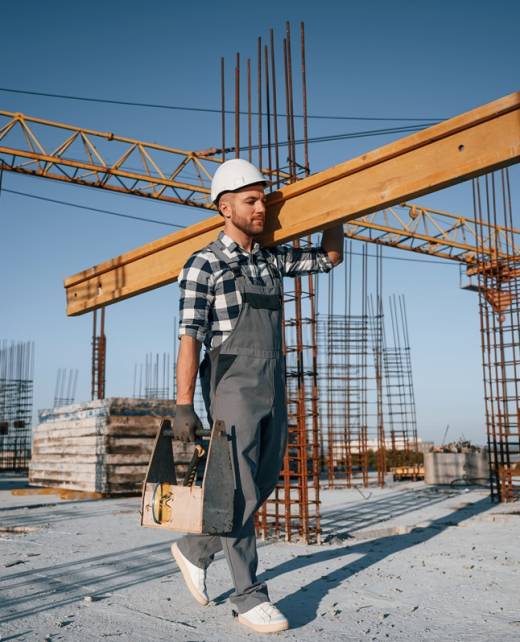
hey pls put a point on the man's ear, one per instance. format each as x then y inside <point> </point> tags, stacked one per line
<point>225,207</point>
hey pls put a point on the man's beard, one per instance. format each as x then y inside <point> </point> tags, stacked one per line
<point>248,229</point>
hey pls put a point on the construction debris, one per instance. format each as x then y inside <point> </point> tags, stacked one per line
<point>460,446</point>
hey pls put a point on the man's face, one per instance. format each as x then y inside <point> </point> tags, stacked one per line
<point>245,209</point>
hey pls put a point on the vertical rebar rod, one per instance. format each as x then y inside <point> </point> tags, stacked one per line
<point>287,110</point>
<point>259,95</point>
<point>315,432</point>
<point>57,387</point>
<point>249,120</point>
<point>331,442</point>
<point>223,108</point>
<point>174,360</point>
<point>292,138</point>
<point>377,352</point>
<point>237,106</point>
<point>75,384</point>
<point>304,102</point>
<point>268,110</point>
<point>93,357</point>
<point>275,111</point>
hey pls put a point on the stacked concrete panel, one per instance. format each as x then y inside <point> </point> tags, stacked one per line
<point>101,446</point>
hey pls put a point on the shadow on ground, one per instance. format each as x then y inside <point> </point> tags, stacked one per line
<point>10,481</point>
<point>344,521</point>
<point>372,551</point>
<point>37,590</point>
<point>49,587</point>
<point>351,517</point>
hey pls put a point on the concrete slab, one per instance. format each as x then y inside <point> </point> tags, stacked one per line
<point>407,563</point>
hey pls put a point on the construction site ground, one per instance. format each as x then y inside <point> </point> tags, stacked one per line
<point>409,562</point>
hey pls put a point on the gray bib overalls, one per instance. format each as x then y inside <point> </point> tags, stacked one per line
<point>243,384</point>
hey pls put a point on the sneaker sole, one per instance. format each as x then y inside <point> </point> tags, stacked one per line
<point>177,556</point>
<point>264,628</point>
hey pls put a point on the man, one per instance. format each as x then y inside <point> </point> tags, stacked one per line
<point>231,300</point>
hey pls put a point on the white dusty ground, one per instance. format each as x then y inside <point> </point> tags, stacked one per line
<point>406,563</point>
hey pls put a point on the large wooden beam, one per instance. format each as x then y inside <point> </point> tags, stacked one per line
<point>468,145</point>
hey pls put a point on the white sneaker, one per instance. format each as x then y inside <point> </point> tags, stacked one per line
<point>264,618</point>
<point>194,576</point>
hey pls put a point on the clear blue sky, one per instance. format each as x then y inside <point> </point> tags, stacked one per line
<point>400,59</point>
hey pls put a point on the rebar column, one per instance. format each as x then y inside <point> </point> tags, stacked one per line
<point>400,398</point>
<point>16,399</point>
<point>351,379</point>
<point>499,311</point>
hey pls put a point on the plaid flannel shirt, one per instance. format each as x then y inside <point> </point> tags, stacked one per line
<point>209,300</point>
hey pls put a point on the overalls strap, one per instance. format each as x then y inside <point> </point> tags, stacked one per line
<point>259,297</point>
<point>233,264</point>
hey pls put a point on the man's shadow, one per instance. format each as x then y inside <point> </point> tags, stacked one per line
<point>373,551</point>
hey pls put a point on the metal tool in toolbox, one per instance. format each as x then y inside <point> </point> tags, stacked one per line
<point>202,502</point>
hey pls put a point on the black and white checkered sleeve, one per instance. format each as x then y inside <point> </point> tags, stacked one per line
<point>293,261</point>
<point>196,296</point>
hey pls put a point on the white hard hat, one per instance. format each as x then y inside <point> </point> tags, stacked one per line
<point>232,175</point>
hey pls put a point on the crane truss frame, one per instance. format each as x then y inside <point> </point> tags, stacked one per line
<point>415,228</point>
<point>105,160</point>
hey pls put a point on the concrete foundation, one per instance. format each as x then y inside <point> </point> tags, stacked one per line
<point>445,468</point>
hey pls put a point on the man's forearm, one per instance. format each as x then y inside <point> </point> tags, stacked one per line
<point>187,368</point>
<point>332,242</point>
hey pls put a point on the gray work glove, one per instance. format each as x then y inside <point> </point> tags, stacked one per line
<point>186,423</point>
